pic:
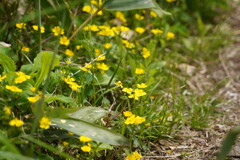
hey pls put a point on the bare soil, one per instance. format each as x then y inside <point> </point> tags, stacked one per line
<point>205,144</point>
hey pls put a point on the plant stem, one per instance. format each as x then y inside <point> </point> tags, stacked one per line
<point>39,25</point>
<point>84,23</point>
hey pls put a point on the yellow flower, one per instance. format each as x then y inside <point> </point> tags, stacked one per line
<point>70,133</point>
<point>148,124</point>
<point>153,14</point>
<point>22,77</point>
<point>127,114</point>
<point>25,49</point>
<point>74,86</point>
<point>140,30</point>
<point>86,148</point>
<point>142,85</point>
<point>128,44</point>
<point>78,47</point>
<point>127,90</point>
<point>35,27</point>
<point>2,77</point>
<point>137,93</point>
<point>45,123</point>
<point>57,31</point>
<point>32,89</point>
<point>86,67</point>
<point>170,1</point>
<point>107,31</point>
<point>93,28</point>
<point>98,54</point>
<point>156,31</point>
<point>85,139</point>
<point>87,9</point>
<point>139,17</point>
<point>16,122</point>
<point>90,10</point>
<point>7,110</point>
<point>64,41</point>
<point>130,120</point>
<point>94,2</point>
<point>130,157</point>
<point>170,35</point>
<point>68,79</point>
<point>69,53</point>
<point>119,83</point>
<point>145,53</point>
<point>13,88</point>
<point>34,99</point>
<point>21,25</point>
<point>65,143</point>
<point>134,120</point>
<point>107,45</point>
<point>139,71</point>
<point>120,16</point>
<point>139,120</point>
<point>102,66</point>
<point>137,155</point>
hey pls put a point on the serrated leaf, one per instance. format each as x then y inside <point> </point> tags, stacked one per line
<point>82,128</point>
<point>61,98</point>
<point>89,114</point>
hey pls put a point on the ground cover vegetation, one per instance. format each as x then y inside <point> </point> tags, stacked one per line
<point>84,80</point>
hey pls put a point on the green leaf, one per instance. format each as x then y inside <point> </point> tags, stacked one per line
<point>123,5</point>
<point>102,146</point>
<point>13,156</point>
<point>60,112</point>
<point>228,143</point>
<point>89,114</point>
<point>46,59</point>
<point>82,128</point>
<point>128,4</point>
<point>8,145</point>
<point>7,63</point>
<point>48,147</point>
<point>58,98</point>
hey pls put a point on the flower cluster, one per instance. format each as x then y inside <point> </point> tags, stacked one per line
<point>57,30</point>
<point>16,122</point>
<point>34,99</point>
<point>44,122</point>
<point>90,10</point>
<point>134,156</point>
<point>22,77</point>
<point>14,88</point>
<point>133,93</point>
<point>71,82</point>
<point>145,53</point>
<point>36,28</point>
<point>133,119</point>
<point>85,148</point>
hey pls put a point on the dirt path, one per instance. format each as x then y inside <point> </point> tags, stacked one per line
<point>205,144</point>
